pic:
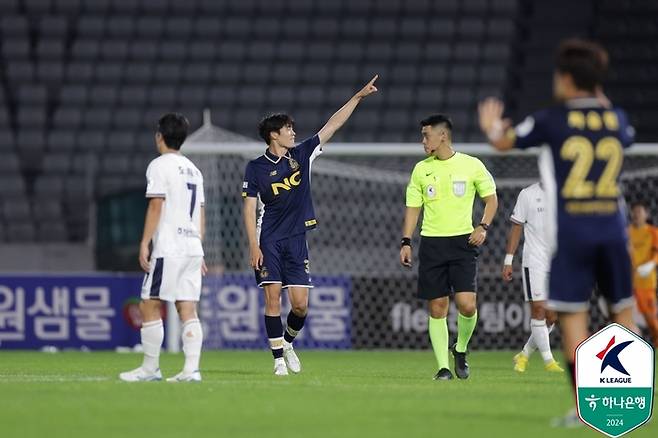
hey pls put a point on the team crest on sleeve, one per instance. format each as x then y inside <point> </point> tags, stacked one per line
<point>459,188</point>
<point>431,191</point>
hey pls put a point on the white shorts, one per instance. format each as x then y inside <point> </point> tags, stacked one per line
<point>173,279</point>
<point>535,284</point>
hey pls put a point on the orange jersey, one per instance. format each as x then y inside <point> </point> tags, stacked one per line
<point>644,247</point>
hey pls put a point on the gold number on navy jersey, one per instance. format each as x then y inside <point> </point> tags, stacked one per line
<point>581,151</point>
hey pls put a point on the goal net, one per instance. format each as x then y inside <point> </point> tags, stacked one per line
<point>359,192</point>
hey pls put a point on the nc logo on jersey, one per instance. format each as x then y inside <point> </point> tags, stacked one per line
<point>459,188</point>
<point>288,183</point>
<point>614,380</point>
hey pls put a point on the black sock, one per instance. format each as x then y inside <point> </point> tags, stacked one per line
<point>274,329</point>
<point>295,324</point>
<point>572,373</point>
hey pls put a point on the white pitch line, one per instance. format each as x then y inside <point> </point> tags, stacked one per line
<point>55,378</point>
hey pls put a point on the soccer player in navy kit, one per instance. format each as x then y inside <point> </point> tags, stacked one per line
<point>281,180</point>
<point>583,141</point>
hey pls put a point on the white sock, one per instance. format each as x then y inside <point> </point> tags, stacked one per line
<point>540,337</point>
<point>192,336</point>
<point>152,336</point>
<point>530,346</point>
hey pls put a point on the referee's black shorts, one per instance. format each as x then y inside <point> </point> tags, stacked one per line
<point>447,265</point>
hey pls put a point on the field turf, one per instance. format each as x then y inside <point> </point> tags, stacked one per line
<point>339,394</point>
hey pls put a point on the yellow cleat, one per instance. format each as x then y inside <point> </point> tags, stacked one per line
<point>553,367</point>
<point>520,362</point>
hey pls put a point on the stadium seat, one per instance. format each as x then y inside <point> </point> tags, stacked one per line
<point>10,163</point>
<point>60,140</point>
<point>16,210</point>
<point>120,27</point>
<point>13,26</point>
<point>92,26</point>
<point>67,118</point>
<point>32,95</point>
<point>56,162</point>
<point>38,7</point>
<point>126,119</point>
<point>53,26</point>
<point>16,48</point>
<point>49,185</point>
<point>20,232</point>
<point>51,231</point>
<point>50,73</point>
<point>150,28</point>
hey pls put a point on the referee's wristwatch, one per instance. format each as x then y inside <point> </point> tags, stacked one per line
<point>406,241</point>
<point>484,226</point>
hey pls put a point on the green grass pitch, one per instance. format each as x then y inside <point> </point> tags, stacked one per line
<point>339,394</point>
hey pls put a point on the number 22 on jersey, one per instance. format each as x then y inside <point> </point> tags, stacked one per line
<point>582,152</point>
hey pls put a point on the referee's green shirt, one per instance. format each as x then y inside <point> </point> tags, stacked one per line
<point>446,190</point>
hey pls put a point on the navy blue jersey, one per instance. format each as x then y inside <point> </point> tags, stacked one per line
<point>580,166</point>
<point>283,185</point>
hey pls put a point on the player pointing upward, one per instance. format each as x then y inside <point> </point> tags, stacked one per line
<point>280,178</point>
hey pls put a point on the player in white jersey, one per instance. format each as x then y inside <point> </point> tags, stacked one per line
<point>174,225</point>
<point>529,217</point>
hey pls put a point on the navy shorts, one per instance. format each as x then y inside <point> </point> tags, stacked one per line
<point>578,267</point>
<point>286,262</point>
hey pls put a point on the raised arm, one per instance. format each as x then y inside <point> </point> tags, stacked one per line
<point>151,222</point>
<point>490,112</point>
<point>513,239</point>
<point>340,117</point>
<point>249,217</point>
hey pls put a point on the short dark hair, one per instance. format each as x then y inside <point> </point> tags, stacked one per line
<point>585,61</point>
<point>273,123</point>
<point>638,203</point>
<point>173,128</point>
<point>437,119</point>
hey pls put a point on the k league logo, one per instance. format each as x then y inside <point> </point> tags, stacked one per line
<point>614,380</point>
<point>610,358</point>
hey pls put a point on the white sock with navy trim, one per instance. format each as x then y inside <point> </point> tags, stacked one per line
<point>192,337</point>
<point>152,336</point>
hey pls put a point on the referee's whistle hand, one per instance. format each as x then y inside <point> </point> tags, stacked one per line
<point>478,236</point>
<point>405,256</point>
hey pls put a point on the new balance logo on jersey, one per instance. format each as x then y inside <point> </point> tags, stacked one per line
<point>288,183</point>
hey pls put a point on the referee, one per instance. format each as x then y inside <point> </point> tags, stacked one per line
<point>444,185</point>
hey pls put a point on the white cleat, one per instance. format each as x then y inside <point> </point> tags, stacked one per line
<point>194,376</point>
<point>291,358</point>
<point>141,375</point>
<point>280,368</point>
